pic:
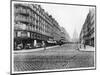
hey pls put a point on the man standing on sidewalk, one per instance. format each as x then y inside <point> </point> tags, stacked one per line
<point>44,45</point>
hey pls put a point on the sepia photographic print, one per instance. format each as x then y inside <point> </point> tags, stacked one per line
<point>52,37</point>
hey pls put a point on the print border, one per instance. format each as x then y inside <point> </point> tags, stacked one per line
<point>50,3</point>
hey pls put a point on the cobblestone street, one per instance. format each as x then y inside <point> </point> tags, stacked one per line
<point>64,57</point>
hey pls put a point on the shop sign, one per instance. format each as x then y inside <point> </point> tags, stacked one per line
<point>23,34</point>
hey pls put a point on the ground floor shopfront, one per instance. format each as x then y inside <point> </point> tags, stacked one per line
<point>31,40</point>
<point>89,41</point>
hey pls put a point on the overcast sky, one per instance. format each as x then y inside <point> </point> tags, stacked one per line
<point>69,16</point>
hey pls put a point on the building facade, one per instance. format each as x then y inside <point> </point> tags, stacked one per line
<point>87,35</point>
<point>33,26</point>
<point>65,35</point>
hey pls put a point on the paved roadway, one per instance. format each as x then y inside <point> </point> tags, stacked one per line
<point>64,57</point>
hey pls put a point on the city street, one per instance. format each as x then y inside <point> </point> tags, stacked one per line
<point>52,37</point>
<point>60,57</point>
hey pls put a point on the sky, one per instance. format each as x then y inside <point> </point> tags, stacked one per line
<point>70,17</point>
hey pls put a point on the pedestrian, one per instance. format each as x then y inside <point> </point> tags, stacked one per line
<point>84,46</point>
<point>44,45</point>
<point>80,45</point>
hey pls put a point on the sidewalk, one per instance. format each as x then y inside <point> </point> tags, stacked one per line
<point>88,48</point>
<point>32,50</point>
